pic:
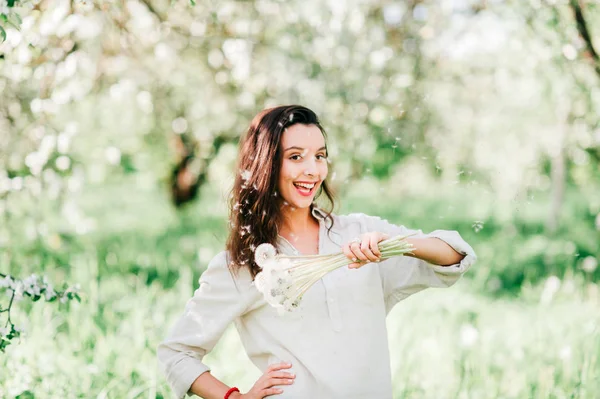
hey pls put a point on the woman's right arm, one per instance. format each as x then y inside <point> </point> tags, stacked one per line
<point>216,303</point>
<point>209,387</point>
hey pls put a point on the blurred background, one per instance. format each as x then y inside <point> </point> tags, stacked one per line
<point>119,123</point>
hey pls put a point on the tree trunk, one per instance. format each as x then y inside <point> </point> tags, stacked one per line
<point>558,178</point>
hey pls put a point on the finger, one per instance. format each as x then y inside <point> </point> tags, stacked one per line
<point>278,366</point>
<point>346,250</point>
<point>271,391</point>
<point>281,374</point>
<point>271,382</point>
<point>374,240</point>
<point>355,265</point>
<point>366,250</point>
<point>355,247</point>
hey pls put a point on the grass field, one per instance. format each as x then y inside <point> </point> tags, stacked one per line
<point>537,339</point>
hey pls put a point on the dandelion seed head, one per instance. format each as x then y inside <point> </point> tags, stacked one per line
<point>246,175</point>
<point>477,226</point>
<point>259,281</point>
<point>284,279</point>
<point>263,253</point>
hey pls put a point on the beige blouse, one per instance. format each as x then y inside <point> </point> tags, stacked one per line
<point>336,340</point>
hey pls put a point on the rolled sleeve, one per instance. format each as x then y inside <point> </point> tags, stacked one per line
<point>451,273</point>
<point>403,276</point>
<point>218,301</point>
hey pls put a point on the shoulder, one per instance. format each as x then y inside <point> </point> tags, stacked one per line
<point>218,269</point>
<point>219,261</point>
<point>358,218</point>
<point>363,223</point>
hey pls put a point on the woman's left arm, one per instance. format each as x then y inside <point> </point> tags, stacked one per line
<point>435,251</point>
<point>440,258</point>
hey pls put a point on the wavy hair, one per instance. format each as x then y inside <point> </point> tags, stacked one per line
<point>254,203</point>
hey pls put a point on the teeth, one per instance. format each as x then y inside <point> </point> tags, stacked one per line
<point>307,186</point>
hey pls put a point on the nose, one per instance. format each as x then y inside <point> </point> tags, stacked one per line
<point>311,168</point>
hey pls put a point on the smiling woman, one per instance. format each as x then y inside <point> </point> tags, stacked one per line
<point>284,148</point>
<point>334,345</point>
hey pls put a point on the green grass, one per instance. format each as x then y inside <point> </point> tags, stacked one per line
<point>142,263</point>
<point>104,347</point>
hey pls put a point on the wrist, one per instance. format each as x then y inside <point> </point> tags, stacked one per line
<point>414,242</point>
<point>235,395</point>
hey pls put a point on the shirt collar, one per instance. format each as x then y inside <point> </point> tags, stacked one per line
<point>285,246</point>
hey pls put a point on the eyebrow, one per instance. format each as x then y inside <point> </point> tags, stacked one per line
<point>302,149</point>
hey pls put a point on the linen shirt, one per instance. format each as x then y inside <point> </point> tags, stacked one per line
<point>336,339</point>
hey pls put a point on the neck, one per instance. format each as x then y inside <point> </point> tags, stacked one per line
<point>296,221</point>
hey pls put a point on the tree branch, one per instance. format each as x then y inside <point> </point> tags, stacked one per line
<point>8,309</point>
<point>584,32</point>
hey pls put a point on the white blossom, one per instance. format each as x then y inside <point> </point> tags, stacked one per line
<point>30,285</point>
<point>7,282</point>
<point>589,264</point>
<point>551,287</point>
<point>16,290</point>
<point>565,353</point>
<point>49,293</point>
<point>468,335</point>
<point>4,7</point>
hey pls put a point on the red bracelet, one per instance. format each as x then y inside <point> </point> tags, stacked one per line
<point>231,390</point>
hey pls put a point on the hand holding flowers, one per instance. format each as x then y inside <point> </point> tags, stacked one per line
<point>364,249</point>
<point>284,279</point>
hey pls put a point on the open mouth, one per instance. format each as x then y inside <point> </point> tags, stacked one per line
<point>305,189</point>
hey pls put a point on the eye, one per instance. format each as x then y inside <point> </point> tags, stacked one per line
<point>295,157</point>
<point>322,156</point>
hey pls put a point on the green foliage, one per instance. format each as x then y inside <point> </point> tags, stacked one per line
<point>460,116</point>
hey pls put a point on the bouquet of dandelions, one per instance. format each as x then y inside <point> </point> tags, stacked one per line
<point>284,279</point>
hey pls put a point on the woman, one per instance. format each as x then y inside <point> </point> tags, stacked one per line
<point>335,344</point>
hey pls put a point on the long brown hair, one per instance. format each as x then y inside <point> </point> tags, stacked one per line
<point>254,203</point>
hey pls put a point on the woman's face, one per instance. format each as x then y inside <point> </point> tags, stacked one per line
<point>304,164</point>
